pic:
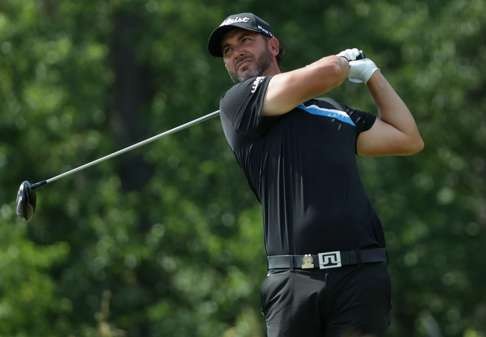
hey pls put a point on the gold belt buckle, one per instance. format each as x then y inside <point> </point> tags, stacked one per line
<point>307,262</point>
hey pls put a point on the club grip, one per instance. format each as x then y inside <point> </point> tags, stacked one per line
<point>361,55</point>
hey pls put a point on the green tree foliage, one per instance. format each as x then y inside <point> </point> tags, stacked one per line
<point>167,240</point>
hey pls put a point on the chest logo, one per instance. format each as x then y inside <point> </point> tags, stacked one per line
<point>256,83</point>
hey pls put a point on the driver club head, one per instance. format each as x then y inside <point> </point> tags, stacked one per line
<point>25,200</point>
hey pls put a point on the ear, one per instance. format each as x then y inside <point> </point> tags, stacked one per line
<point>225,64</point>
<point>274,45</point>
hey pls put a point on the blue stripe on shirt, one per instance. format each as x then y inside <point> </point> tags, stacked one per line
<point>330,113</point>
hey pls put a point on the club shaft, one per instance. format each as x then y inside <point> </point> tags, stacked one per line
<point>128,148</point>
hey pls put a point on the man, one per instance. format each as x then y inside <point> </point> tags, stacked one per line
<point>325,245</point>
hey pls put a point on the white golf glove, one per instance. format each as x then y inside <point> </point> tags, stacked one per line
<point>351,54</point>
<point>360,71</point>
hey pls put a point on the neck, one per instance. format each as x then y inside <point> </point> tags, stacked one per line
<point>274,69</point>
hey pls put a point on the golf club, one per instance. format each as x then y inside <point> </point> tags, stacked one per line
<point>26,199</point>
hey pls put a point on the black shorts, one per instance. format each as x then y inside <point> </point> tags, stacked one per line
<point>348,301</point>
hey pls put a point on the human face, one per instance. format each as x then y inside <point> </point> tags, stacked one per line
<point>245,54</point>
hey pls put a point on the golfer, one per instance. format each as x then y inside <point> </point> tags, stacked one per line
<point>327,272</point>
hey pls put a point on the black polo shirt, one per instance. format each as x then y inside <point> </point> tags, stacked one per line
<point>302,168</point>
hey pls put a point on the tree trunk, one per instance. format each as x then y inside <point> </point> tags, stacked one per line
<point>132,93</point>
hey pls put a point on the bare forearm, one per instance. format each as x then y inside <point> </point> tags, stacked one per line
<point>289,89</point>
<point>392,109</point>
<point>329,72</point>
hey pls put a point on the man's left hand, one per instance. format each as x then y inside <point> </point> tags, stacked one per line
<point>360,71</point>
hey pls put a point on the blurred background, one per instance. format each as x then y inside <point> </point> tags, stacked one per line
<point>167,240</point>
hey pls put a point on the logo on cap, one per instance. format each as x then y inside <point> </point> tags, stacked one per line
<point>237,19</point>
<point>265,31</point>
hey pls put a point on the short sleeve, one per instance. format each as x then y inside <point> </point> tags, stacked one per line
<point>241,109</point>
<point>363,120</point>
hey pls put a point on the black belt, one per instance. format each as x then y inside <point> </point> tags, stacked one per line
<point>326,260</point>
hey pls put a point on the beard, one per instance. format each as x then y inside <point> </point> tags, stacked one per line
<point>258,68</point>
